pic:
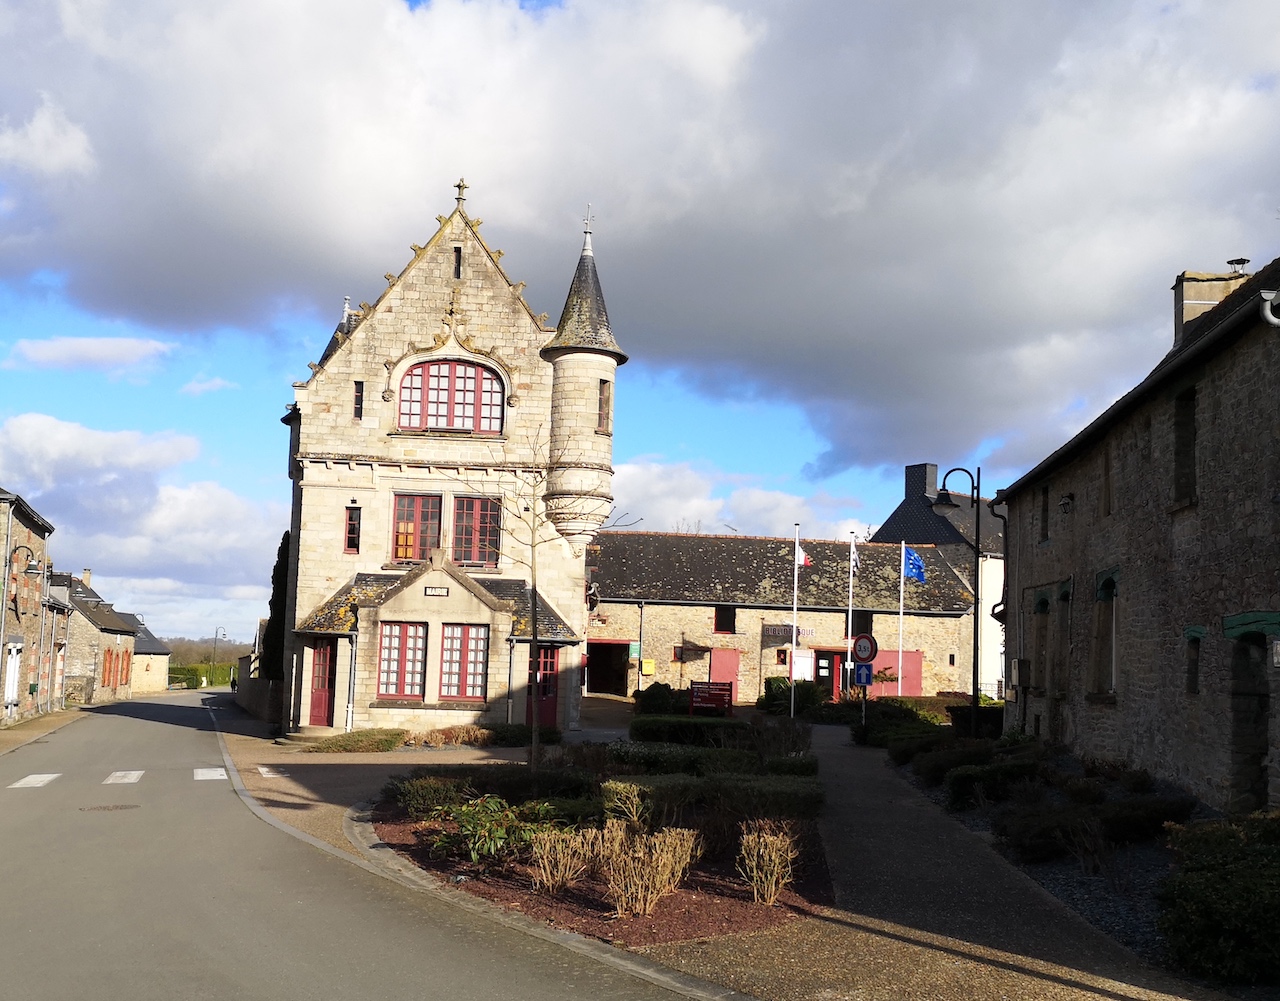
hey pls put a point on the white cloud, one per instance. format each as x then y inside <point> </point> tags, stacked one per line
<point>680,497</point>
<point>197,387</point>
<point>108,353</point>
<point>47,143</point>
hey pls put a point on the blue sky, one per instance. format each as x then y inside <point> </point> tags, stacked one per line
<point>835,238</point>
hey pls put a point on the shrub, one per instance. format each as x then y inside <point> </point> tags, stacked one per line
<point>891,718</point>
<point>516,783</point>
<point>840,713</point>
<point>703,731</point>
<point>641,869</point>
<point>521,734</point>
<point>714,800</point>
<point>420,796</point>
<point>765,857</point>
<point>559,859</point>
<point>780,736</point>
<point>467,734</point>
<point>486,828</point>
<point>1137,780</point>
<point>660,699</point>
<point>1040,834</point>
<point>1082,790</point>
<point>993,781</point>
<point>360,741</point>
<point>576,811</point>
<point>660,759</point>
<point>932,766</point>
<point>903,749</point>
<point>990,720</point>
<point>777,697</point>
<point>1218,910</point>
<point>801,764</point>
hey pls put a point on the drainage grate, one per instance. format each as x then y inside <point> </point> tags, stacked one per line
<point>110,806</point>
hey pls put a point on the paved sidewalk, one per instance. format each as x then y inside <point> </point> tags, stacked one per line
<point>926,910</point>
<point>13,737</point>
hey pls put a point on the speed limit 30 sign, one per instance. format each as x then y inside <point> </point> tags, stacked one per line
<point>864,648</point>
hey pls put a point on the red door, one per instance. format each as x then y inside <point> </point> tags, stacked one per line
<point>724,667</point>
<point>323,675</point>
<point>548,687</point>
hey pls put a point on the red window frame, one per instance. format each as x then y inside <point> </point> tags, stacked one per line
<point>402,660</point>
<point>464,662</point>
<point>477,531</point>
<point>351,542</point>
<point>416,526</point>
<point>451,396</point>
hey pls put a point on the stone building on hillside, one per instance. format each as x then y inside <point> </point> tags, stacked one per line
<point>99,643</point>
<point>1144,560</point>
<point>677,608</point>
<point>447,447</point>
<point>916,521</point>
<point>31,625</point>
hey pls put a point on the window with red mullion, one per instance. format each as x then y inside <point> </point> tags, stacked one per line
<point>477,531</point>
<point>464,662</point>
<point>458,396</point>
<point>417,526</point>
<point>402,660</point>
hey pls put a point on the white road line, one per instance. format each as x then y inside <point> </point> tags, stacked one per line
<point>33,781</point>
<point>210,774</point>
<point>272,773</point>
<point>121,778</point>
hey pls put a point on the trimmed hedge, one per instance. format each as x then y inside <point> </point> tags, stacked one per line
<point>360,741</point>
<point>1218,911</point>
<point>655,758</point>
<point>677,798</point>
<point>990,720</point>
<point>517,783</point>
<point>420,795</point>
<point>932,766</point>
<point>777,697</point>
<point>700,731</point>
<point>903,749</point>
<point>892,718</point>
<point>1038,834</point>
<point>994,780</point>
<point>521,734</point>
<point>660,699</point>
<point>800,764</point>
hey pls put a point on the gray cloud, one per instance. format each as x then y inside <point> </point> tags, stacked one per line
<point>936,227</point>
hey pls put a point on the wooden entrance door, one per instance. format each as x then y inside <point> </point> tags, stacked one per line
<point>826,672</point>
<point>323,678</point>
<point>548,682</point>
<point>724,667</point>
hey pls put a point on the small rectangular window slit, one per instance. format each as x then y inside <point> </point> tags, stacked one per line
<point>457,262</point>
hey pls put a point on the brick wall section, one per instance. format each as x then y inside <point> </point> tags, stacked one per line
<point>1182,566</point>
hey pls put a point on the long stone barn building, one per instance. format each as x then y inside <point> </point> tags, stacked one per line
<point>675,608</point>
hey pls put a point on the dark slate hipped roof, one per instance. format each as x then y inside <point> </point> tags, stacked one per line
<point>915,522</point>
<point>664,567</point>
<point>1202,339</point>
<point>334,614</point>
<point>584,322</point>
<point>145,642</point>
<point>550,626</point>
<point>89,603</point>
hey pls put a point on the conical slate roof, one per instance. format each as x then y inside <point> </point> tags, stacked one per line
<point>584,323</point>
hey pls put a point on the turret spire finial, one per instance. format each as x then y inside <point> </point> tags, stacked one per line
<point>462,186</point>
<point>586,228</point>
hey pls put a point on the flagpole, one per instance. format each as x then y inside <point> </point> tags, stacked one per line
<point>848,622</point>
<point>902,598</point>
<point>795,615</point>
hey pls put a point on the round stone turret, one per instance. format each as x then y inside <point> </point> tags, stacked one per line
<point>584,358</point>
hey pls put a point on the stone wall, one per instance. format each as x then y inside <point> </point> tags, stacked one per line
<point>1194,571</point>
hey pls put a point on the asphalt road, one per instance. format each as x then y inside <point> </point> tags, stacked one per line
<point>161,884</point>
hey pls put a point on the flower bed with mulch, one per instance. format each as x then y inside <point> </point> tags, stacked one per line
<point>713,900</point>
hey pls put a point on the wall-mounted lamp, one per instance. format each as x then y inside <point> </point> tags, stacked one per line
<point>1066,503</point>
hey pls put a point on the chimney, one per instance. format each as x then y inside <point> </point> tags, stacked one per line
<point>922,481</point>
<point>1197,292</point>
<point>85,574</point>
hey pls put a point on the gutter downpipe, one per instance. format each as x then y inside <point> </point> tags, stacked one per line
<point>351,674</point>
<point>999,612</point>
<point>44,603</point>
<point>4,592</point>
<point>511,671</point>
<point>640,659</point>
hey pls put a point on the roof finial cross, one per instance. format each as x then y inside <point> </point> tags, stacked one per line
<point>462,186</point>
<point>586,221</point>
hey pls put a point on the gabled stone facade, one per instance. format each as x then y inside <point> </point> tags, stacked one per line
<point>446,443</point>
<point>31,627</point>
<point>1143,603</point>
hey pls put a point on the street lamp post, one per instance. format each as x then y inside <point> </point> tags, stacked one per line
<point>213,660</point>
<point>941,505</point>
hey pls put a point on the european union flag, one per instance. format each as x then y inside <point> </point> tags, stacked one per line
<point>912,565</point>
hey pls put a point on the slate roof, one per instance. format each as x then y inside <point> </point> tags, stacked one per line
<point>550,625</point>
<point>746,571</point>
<point>32,515</point>
<point>145,642</point>
<point>1202,339</point>
<point>584,322</point>
<point>100,614</point>
<point>334,614</point>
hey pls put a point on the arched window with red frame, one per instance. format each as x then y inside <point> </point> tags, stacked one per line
<point>451,396</point>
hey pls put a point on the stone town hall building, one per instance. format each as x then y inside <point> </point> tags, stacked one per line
<point>448,451</point>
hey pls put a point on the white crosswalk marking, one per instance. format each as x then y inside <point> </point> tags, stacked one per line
<point>121,778</point>
<point>210,774</point>
<point>269,772</point>
<point>33,781</point>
